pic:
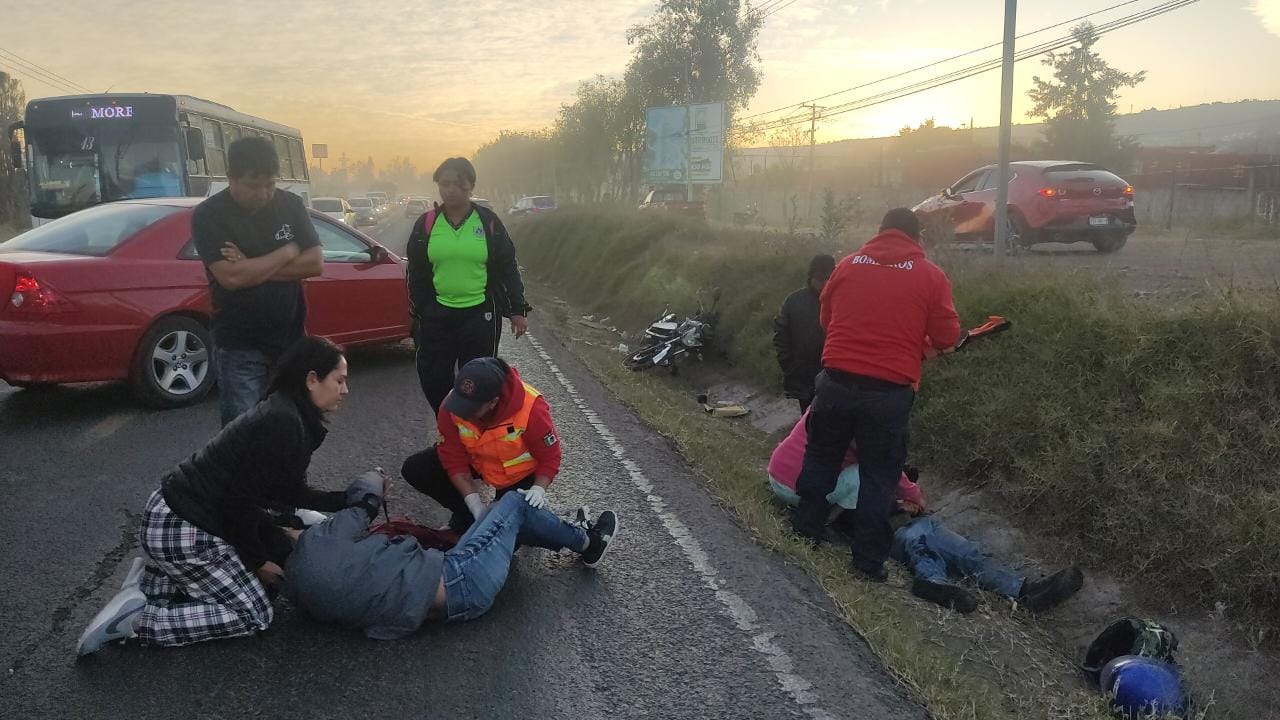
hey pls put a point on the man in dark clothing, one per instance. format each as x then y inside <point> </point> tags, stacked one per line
<point>883,306</point>
<point>797,335</point>
<point>257,244</point>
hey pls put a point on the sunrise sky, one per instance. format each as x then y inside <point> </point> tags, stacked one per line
<point>430,79</point>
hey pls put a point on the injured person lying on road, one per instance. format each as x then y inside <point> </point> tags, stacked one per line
<point>936,556</point>
<point>388,586</point>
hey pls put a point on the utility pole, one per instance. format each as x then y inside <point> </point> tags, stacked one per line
<point>813,130</point>
<point>1006,127</point>
<point>688,129</point>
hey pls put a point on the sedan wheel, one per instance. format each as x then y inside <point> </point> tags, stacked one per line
<point>174,366</point>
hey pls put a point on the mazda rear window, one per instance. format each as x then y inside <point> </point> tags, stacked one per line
<point>360,203</point>
<point>327,205</point>
<point>1081,172</point>
<point>94,231</point>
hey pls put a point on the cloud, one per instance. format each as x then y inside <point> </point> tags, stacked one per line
<point>1268,11</point>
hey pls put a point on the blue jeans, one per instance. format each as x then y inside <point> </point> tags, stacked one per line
<point>476,568</point>
<point>243,376</point>
<point>935,553</point>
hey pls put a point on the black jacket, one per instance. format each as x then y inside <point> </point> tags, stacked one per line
<point>257,463</point>
<point>798,339</point>
<point>505,286</point>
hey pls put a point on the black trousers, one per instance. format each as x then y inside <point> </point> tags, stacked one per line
<point>876,416</point>
<point>425,473</point>
<point>448,338</point>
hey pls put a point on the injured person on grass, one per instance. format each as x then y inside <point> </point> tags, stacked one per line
<point>936,556</point>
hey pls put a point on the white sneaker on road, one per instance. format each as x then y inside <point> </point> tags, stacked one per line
<point>114,622</point>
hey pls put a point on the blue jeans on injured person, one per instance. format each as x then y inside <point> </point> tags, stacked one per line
<point>243,376</point>
<point>935,553</point>
<point>476,568</point>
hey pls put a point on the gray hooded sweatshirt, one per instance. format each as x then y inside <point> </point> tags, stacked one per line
<point>340,573</point>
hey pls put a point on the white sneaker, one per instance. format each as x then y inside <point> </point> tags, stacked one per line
<point>133,578</point>
<point>114,622</point>
<point>310,517</point>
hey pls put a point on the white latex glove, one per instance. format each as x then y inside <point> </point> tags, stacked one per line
<point>536,496</point>
<point>475,504</point>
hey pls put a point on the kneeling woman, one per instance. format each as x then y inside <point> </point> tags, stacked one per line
<point>211,547</point>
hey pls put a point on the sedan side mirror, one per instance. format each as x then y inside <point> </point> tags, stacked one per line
<point>379,255</point>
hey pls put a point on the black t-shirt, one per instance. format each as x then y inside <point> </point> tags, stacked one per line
<point>270,316</point>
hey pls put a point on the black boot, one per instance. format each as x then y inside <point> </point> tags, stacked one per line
<point>944,594</point>
<point>1042,594</point>
<point>809,520</point>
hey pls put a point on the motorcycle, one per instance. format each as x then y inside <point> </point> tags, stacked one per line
<point>668,341</point>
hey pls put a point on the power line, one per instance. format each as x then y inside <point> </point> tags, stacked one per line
<point>973,70</point>
<point>31,76</point>
<point>778,8</point>
<point>14,57</point>
<point>766,6</point>
<point>946,60</point>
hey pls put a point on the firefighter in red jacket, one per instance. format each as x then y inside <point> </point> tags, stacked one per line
<point>495,430</point>
<point>883,307</point>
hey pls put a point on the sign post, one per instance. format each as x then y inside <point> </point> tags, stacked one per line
<point>684,145</point>
<point>320,152</point>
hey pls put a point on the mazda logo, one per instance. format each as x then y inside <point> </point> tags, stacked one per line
<point>1097,191</point>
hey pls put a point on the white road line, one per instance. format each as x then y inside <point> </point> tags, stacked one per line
<point>738,610</point>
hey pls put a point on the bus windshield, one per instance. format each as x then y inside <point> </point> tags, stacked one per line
<point>77,165</point>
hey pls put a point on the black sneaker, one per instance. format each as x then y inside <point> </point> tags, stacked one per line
<point>1044,593</point>
<point>600,534</point>
<point>944,594</point>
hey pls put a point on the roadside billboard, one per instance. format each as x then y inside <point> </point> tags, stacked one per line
<point>669,155</point>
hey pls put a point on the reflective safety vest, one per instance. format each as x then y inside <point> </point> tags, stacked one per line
<point>499,454</point>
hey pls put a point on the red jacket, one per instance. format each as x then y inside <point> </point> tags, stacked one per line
<point>541,438</point>
<point>883,306</point>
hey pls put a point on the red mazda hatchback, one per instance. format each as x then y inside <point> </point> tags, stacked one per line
<point>1049,202</point>
<point>117,292</point>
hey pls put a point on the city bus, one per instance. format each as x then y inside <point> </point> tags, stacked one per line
<point>83,150</point>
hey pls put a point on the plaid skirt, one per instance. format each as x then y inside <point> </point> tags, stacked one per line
<point>196,586</point>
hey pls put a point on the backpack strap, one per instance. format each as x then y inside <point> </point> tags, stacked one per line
<point>429,221</point>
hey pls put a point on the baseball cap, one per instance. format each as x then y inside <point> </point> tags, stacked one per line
<point>478,382</point>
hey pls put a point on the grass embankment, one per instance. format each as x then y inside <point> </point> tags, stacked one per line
<point>1140,439</point>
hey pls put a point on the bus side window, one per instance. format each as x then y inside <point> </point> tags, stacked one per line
<point>230,134</point>
<point>299,159</point>
<point>282,150</point>
<point>213,148</point>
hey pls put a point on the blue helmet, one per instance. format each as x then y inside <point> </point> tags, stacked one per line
<point>1142,685</point>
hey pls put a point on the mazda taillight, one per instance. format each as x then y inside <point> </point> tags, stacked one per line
<point>1052,192</point>
<point>1128,191</point>
<point>29,294</point>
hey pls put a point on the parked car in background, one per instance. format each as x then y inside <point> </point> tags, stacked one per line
<point>336,208</point>
<point>366,212</point>
<point>532,205</point>
<point>117,292</point>
<point>482,203</point>
<point>675,202</point>
<point>1049,202</point>
<point>414,207</point>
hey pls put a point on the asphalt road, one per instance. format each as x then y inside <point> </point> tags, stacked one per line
<point>686,618</point>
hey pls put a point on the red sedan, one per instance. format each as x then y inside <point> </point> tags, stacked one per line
<point>1059,202</point>
<point>117,292</point>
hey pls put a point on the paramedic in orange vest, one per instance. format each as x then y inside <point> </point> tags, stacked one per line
<point>495,430</point>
